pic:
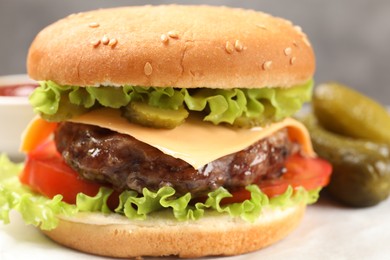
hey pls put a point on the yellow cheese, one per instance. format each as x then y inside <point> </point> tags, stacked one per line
<point>195,142</point>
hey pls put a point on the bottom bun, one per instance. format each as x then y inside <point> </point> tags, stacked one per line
<point>160,235</point>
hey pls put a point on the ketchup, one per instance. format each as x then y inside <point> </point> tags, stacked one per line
<point>17,90</point>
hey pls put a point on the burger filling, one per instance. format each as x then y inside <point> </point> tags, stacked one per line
<point>269,173</point>
<point>123,162</point>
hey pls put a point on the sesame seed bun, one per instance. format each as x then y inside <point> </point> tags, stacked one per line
<point>160,235</point>
<point>180,46</point>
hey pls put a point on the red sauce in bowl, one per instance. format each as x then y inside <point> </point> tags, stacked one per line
<point>17,90</point>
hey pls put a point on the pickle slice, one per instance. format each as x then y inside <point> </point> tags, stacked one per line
<point>248,122</point>
<point>66,110</point>
<point>146,115</point>
<point>350,113</point>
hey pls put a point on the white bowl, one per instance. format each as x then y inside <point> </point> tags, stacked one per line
<point>15,114</point>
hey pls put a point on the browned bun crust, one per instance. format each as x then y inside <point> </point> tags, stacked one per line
<point>180,46</point>
<point>162,236</point>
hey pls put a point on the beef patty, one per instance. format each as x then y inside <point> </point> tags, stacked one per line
<point>123,162</point>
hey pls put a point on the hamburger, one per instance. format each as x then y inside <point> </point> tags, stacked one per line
<point>167,130</point>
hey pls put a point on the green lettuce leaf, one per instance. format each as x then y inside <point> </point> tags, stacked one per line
<point>41,211</point>
<point>233,106</point>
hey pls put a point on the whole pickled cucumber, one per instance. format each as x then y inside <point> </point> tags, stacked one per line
<point>350,113</point>
<point>361,169</point>
<point>146,115</point>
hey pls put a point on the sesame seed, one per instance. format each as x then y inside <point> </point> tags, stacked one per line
<point>295,44</point>
<point>93,25</point>
<point>262,26</point>
<point>164,38</point>
<point>238,46</point>
<point>306,41</point>
<point>267,65</point>
<point>173,34</point>
<point>105,40</point>
<point>298,28</point>
<point>287,51</point>
<point>112,42</point>
<point>148,69</point>
<point>95,43</point>
<point>292,60</point>
<point>229,47</point>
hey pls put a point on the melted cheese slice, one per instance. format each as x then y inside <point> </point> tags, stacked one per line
<point>196,142</point>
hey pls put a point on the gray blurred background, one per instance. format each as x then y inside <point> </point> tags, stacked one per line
<point>351,38</point>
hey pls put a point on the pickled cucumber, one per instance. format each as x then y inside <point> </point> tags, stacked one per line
<point>146,115</point>
<point>361,169</point>
<point>66,110</point>
<point>350,113</point>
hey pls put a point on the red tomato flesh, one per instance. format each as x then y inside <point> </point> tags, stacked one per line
<point>46,172</point>
<point>309,173</point>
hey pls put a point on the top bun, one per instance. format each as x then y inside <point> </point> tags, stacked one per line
<point>179,46</point>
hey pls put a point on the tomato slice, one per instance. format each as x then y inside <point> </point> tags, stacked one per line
<point>46,172</point>
<point>309,173</point>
